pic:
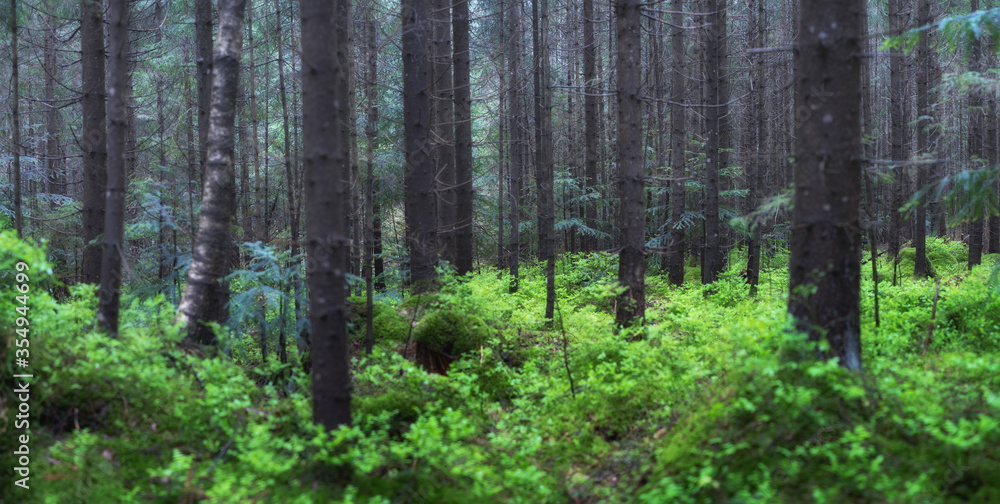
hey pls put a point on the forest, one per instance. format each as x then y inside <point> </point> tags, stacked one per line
<point>524,251</point>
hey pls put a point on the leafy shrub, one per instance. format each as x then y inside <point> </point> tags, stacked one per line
<point>388,325</point>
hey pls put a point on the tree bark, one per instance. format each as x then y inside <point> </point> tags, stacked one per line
<point>203,77</point>
<point>824,287</point>
<point>976,144</point>
<point>632,215</point>
<point>463,139</point>
<point>203,296</point>
<point>758,140</point>
<point>371,146</point>
<point>924,145</point>
<point>543,155</point>
<point>518,141</point>
<point>93,137</point>
<point>16,120</point>
<point>712,260</point>
<point>114,219</point>
<point>327,174</point>
<point>421,201</point>
<point>591,123</point>
<point>57,179</point>
<point>443,139</point>
<point>678,144</point>
<point>898,125</point>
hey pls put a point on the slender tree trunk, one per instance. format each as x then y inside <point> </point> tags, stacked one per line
<point>371,146</point>
<point>924,146</point>
<point>590,122</point>
<point>758,139</point>
<point>976,144</point>
<point>257,233</point>
<point>203,66</point>
<point>203,296</point>
<point>16,120</point>
<point>501,181</point>
<point>517,142</point>
<point>463,138</point>
<point>632,216</point>
<point>57,180</point>
<point>114,219</point>
<point>420,169</point>
<point>443,139</point>
<point>825,281</point>
<point>93,138</point>
<point>897,117</point>
<point>678,144</point>
<point>712,254</point>
<point>327,165</point>
<point>543,155</point>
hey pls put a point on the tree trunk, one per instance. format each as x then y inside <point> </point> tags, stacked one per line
<point>371,146</point>
<point>758,140</point>
<point>203,67</point>
<point>16,121</point>
<point>716,30</point>
<point>924,145</point>
<point>517,142</point>
<point>543,154</point>
<point>976,144</point>
<point>463,139</point>
<point>57,179</point>
<point>420,170</point>
<point>898,126</point>
<point>114,220</point>
<point>824,287</point>
<point>443,108</point>
<point>290,182</point>
<point>93,139</point>
<point>327,174</point>
<point>203,296</point>
<point>678,144</point>
<point>591,123</point>
<point>632,215</point>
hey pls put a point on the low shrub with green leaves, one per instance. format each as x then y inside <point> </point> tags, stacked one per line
<point>714,399</point>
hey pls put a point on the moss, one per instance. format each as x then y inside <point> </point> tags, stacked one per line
<point>388,324</point>
<point>692,274</point>
<point>451,331</point>
<point>404,408</point>
<point>907,261</point>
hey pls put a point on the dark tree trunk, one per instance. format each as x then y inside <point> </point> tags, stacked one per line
<point>93,138</point>
<point>924,145</point>
<point>976,144</point>
<point>327,175</point>
<point>206,292</point>
<point>290,182</point>
<point>57,179</point>
<point>898,126</point>
<point>203,78</point>
<point>371,146</point>
<point>543,155</point>
<point>501,181</point>
<point>443,139</point>
<point>518,142</point>
<point>463,139</point>
<point>824,287</point>
<point>632,215</point>
<point>15,120</point>
<point>419,176</point>
<point>758,140</point>
<point>715,32</point>
<point>678,144</point>
<point>114,218</point>
<point>591,123</point>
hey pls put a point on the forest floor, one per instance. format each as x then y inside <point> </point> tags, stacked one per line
<point>714,399</point>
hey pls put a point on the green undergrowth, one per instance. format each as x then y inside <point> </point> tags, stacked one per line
<point>714,399</point>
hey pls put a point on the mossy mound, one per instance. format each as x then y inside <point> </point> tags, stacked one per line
<point>388,324</point>
<point>907,261</point>
<point>404,408</point>
<point>451,331</point>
